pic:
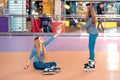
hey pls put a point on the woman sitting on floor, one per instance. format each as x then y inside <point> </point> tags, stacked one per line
<point>38,53</point>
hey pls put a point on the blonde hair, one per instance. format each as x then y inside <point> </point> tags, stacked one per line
<point>38,48</point>
<point>91,13</point>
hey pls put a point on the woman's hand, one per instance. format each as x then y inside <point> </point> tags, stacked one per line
<point>26,67</point>
<point>75,20</point>
<point>59,30</point>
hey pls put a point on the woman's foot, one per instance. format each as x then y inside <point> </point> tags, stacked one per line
<point>89,66</point>
<point>48,71</point>
<point>56,69</point>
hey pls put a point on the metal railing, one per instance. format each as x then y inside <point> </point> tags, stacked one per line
<point>26,21</point>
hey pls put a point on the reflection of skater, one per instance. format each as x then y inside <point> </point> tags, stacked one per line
<point>93,33</point>
<point>100,12</point>
<point>38,53</point>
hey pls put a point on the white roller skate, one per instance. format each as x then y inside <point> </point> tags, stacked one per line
<point>90,66</point>
<point>48,71</point>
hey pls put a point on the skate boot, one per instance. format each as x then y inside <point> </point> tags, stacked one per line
<point>90,66</point>
<point>48,71</point>
<point>56,69</point>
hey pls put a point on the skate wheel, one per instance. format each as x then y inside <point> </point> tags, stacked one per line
<point>87,70</point>
<point>57,69</point>
<point>48,73</point>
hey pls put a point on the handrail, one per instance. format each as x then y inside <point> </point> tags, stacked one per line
<point>67,16</point>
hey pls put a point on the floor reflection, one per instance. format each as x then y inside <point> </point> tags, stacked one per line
<point>113,58</point>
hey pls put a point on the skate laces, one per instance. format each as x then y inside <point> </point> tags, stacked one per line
<point>91,63</point>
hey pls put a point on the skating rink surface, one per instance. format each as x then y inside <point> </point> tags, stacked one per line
<point>71,62</point>
<point>70,53</point>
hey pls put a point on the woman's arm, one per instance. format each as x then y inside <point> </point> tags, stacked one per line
<point>84,25</point>
<point>58,32</point>
<point>52,38</point>
<point>30,58</point>
<point>27,64</point>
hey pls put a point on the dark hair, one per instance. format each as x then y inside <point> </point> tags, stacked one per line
<point>101,3</point>
<point>36,38</point>
<point>88,4</point>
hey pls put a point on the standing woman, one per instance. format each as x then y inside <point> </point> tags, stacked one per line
<point>93,34</point>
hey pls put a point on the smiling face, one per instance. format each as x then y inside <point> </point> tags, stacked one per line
<point>38,41</point>
<point>41,40</point>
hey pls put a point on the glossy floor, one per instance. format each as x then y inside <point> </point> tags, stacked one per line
<point>71,62</point>
<point>70,53</point>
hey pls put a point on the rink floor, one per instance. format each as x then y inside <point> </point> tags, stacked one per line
<point>71,62</point>
<point>70,53</point>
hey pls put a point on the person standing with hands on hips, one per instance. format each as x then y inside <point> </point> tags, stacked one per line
<point>93,34</point>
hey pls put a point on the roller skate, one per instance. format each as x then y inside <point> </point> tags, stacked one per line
<point>48,71</point>
<point>90,66</point>
<point>56,69</point>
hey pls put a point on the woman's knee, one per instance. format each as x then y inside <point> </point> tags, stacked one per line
<point>53,63</point>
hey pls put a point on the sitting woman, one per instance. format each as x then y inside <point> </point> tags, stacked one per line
<point>38,53</point>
